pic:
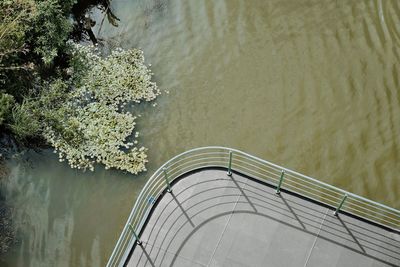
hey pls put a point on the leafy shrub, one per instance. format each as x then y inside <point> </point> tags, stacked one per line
<point>50,27</point>
<point>32,34</point>
<point>79,110</point>
<point>15,19</point>
<point>86,120</point>
<point>24,123</point>
<point>6,103</point>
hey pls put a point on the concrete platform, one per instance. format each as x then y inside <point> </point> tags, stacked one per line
<point>212,219</point>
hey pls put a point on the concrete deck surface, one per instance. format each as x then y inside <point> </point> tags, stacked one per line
<point>212,219</point>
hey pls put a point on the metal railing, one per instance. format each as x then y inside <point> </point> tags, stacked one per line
<point>235,160</point>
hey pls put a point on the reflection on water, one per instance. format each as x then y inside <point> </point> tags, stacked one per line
<point>62,215</point>
<point>312,85</point>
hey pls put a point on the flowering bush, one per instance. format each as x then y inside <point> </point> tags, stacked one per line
<point>85,118</point>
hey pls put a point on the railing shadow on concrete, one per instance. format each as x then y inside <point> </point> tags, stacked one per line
<point>237,161</point>
<point>307,222</point>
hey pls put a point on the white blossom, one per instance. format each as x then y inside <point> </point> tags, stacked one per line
<point>95,126</point>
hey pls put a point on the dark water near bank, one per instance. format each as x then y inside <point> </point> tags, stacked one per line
<point>309,84</point>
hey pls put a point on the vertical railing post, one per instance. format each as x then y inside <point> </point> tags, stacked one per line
<point>340,205</point>
<point>135,235</point>
<point>278,189</point>
<point>229,173</point>
<point>169,188</point>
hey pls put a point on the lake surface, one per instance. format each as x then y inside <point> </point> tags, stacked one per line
<point>312,85</point>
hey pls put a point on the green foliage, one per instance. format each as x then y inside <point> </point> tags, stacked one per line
<point>32,34</point>
<point>6,103</point>
<point>84,117</point>
<point>119,78</point>
<point>15,18</point>
<point>50,27</point>
<point>24,122</point>
<point>34,27</point>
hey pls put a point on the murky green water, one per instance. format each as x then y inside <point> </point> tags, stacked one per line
<point>312,85</point>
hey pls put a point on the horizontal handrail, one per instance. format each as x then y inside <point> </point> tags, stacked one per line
<point>235,160</point>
